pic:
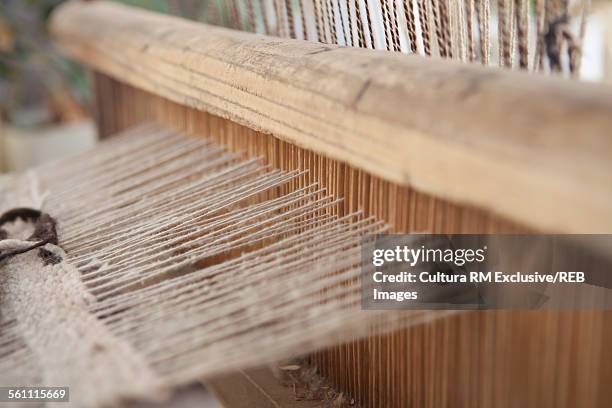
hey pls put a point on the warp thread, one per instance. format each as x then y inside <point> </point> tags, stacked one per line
<point>189,262</point>
<point>442,28</point>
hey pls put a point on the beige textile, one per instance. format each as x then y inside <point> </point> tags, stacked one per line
<point>180,261</point>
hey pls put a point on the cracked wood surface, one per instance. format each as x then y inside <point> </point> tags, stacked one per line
<point>534,149</point>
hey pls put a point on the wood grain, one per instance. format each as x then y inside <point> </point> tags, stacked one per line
<point>480,359</point>
<point>537,150</point>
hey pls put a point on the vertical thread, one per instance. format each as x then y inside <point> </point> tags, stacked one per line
<point>352,23</point>
<point>425,27</point>
<point>319,22</point>
<point>264,16</point>
<point>303,20</point>
<point>386,25</point>
<point>438,28</point>
<point>360,30</point>
<point>251,16</point>
<point>280,25</point>
<point>521,10</point>
<point>469,15</point>
<point>332,21</point>
<point>290,22</point>
<point>446,28</point>
<point>504,46</point>
<point>410,25</point>
<point>234,16</point>
<point>370,27</point>
<point>395,17</point>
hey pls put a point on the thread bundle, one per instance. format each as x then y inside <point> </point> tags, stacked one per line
<point>544,35</point>
<point>181,261</point>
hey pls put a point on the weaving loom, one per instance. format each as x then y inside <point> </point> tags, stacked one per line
<point>219,229</point>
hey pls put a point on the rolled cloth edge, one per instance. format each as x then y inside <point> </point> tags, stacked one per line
<point>49,307</point>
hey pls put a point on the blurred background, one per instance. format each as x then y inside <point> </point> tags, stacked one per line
<point>45,101</point>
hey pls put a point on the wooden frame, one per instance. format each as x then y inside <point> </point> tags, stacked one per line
<point>526,147</point>
<point>461,132</point>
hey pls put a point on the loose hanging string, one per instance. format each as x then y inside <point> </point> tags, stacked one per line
<point>457,29</point>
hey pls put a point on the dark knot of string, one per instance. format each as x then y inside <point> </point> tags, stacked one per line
<point>45,232</point>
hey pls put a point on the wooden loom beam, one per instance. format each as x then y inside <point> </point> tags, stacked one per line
<point>534,149</point>
<point>125,101</point>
